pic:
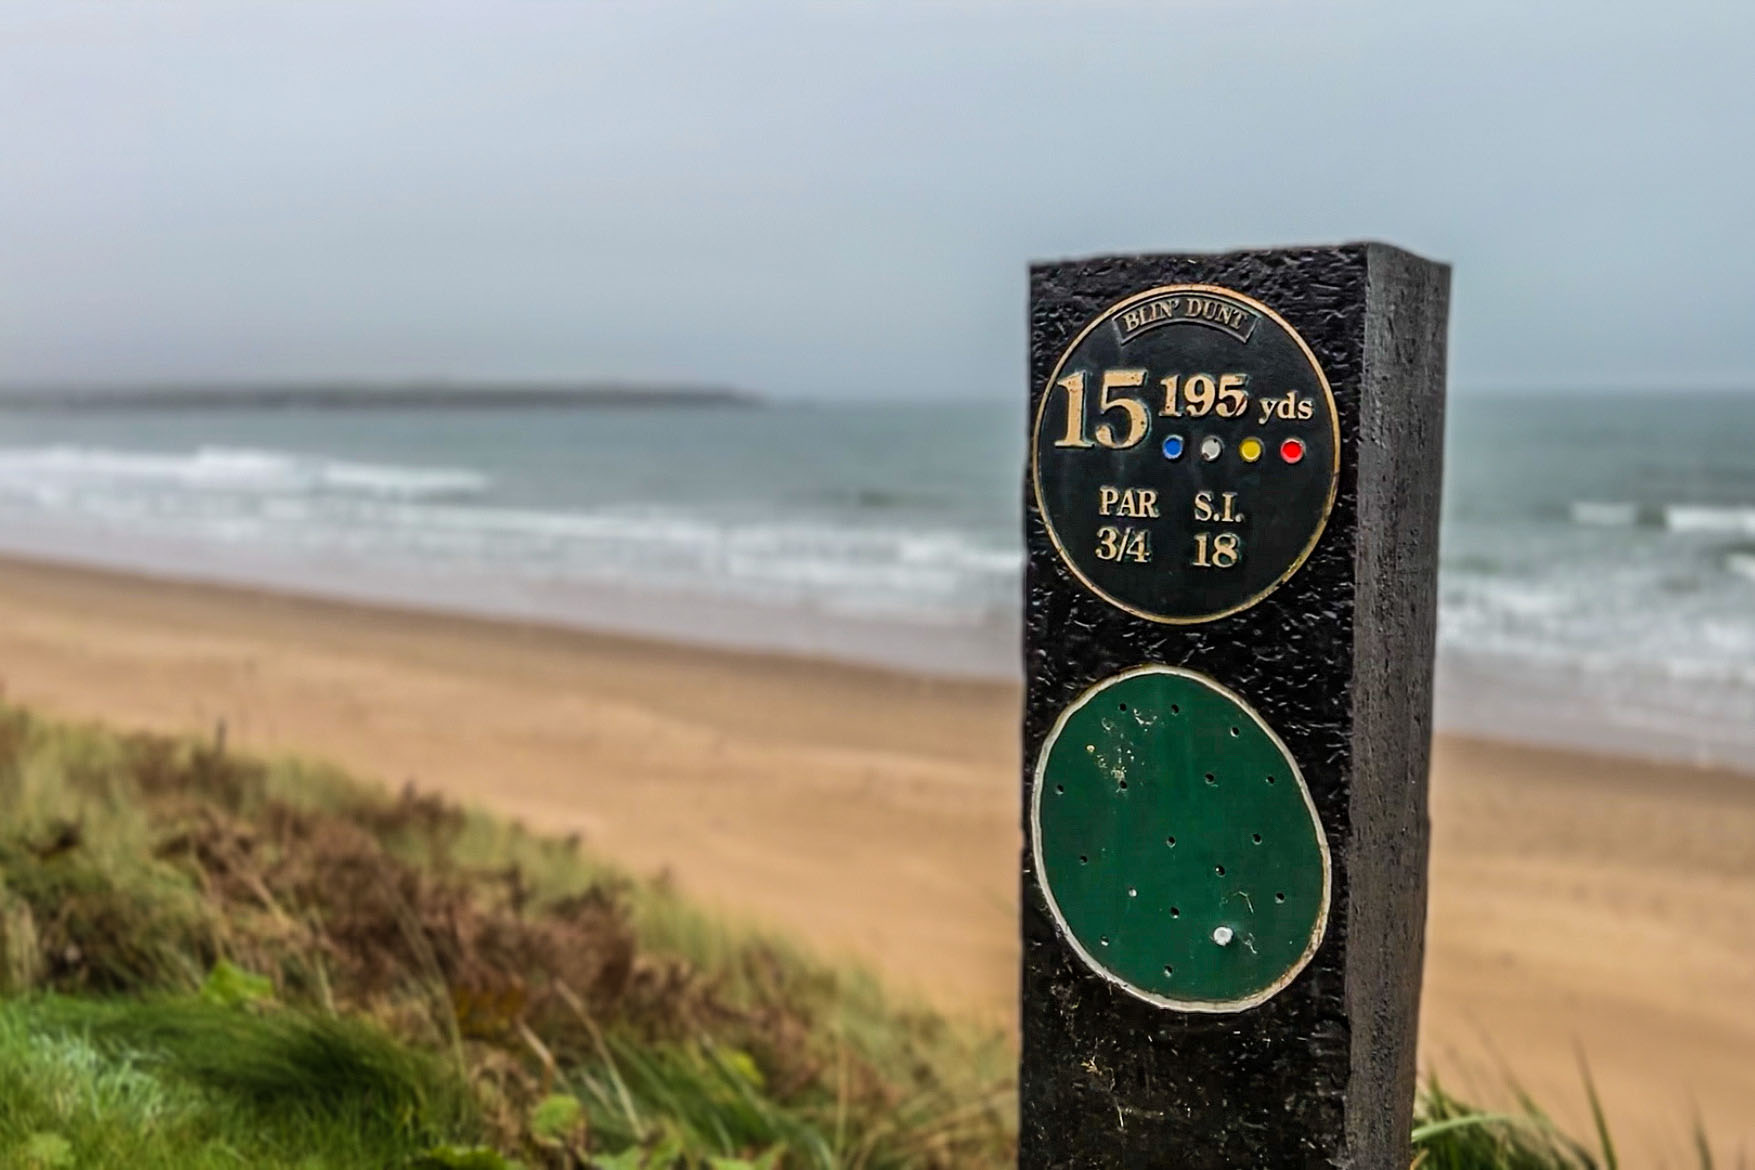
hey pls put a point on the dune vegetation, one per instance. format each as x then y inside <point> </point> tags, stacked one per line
<point>208,959</point>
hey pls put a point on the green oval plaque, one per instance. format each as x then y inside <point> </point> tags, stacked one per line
<point>1177,843</point>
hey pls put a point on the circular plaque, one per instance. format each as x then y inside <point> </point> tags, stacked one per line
<point>1177,844</point>
<point>1185,453</point>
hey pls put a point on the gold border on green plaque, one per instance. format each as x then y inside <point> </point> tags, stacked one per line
<point>1177,844</point>
<point>1150,299</point>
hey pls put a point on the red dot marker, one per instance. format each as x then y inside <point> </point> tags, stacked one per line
<point>1292,450</point>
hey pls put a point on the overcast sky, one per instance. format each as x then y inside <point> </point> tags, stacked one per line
<point>840,200</point>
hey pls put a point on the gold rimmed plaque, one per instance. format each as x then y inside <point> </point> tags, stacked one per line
<point>1185,453</point>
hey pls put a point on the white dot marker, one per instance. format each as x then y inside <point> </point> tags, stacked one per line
<point>1223,936</point>
<point>1211,448</point>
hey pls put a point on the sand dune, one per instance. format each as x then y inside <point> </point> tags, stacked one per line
<point>1577,902</point>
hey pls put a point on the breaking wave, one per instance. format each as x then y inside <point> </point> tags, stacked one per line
<point>33,470</point>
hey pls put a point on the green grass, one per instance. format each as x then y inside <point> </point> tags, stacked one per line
<point>186,1084</point>
<point>1450,1134</point>
<point>210,960</point>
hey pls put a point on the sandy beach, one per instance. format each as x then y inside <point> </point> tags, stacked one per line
<point>1579,903</point>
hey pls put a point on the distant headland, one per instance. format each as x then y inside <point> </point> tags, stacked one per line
<point>371,396</point>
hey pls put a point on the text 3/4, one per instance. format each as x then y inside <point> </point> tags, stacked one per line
<point>1114,543</point>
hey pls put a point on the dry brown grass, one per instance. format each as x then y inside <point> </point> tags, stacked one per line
<point>135,864</point>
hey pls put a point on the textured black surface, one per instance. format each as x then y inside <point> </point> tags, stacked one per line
<point>1320,1075</point>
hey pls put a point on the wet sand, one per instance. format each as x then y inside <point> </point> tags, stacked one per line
<point>1579,902</point>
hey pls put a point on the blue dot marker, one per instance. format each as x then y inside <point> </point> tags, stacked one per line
<point>1173,446</point>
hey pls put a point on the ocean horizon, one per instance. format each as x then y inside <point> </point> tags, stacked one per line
<point>1597,584</point>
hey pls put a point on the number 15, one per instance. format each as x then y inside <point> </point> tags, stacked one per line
<point>1134,409</point>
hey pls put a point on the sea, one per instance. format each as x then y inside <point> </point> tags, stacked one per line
<point>1597,579</point>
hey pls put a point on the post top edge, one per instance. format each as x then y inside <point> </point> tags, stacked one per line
<point>1355,247</point>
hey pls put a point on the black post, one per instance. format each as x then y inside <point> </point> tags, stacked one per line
<point>1232,527</point>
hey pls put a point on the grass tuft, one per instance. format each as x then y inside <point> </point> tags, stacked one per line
<point>151,1084</point>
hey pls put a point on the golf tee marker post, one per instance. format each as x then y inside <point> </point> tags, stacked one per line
<point>1232,527</point>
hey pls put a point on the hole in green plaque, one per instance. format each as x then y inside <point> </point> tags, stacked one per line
<point>1219,869</point>
<point>1256,838</point>
<point>1279,897</point>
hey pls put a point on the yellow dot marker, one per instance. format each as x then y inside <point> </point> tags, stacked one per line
<point>1250,450</point>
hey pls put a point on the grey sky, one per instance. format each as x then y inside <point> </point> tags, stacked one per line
<point>840,199</point>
